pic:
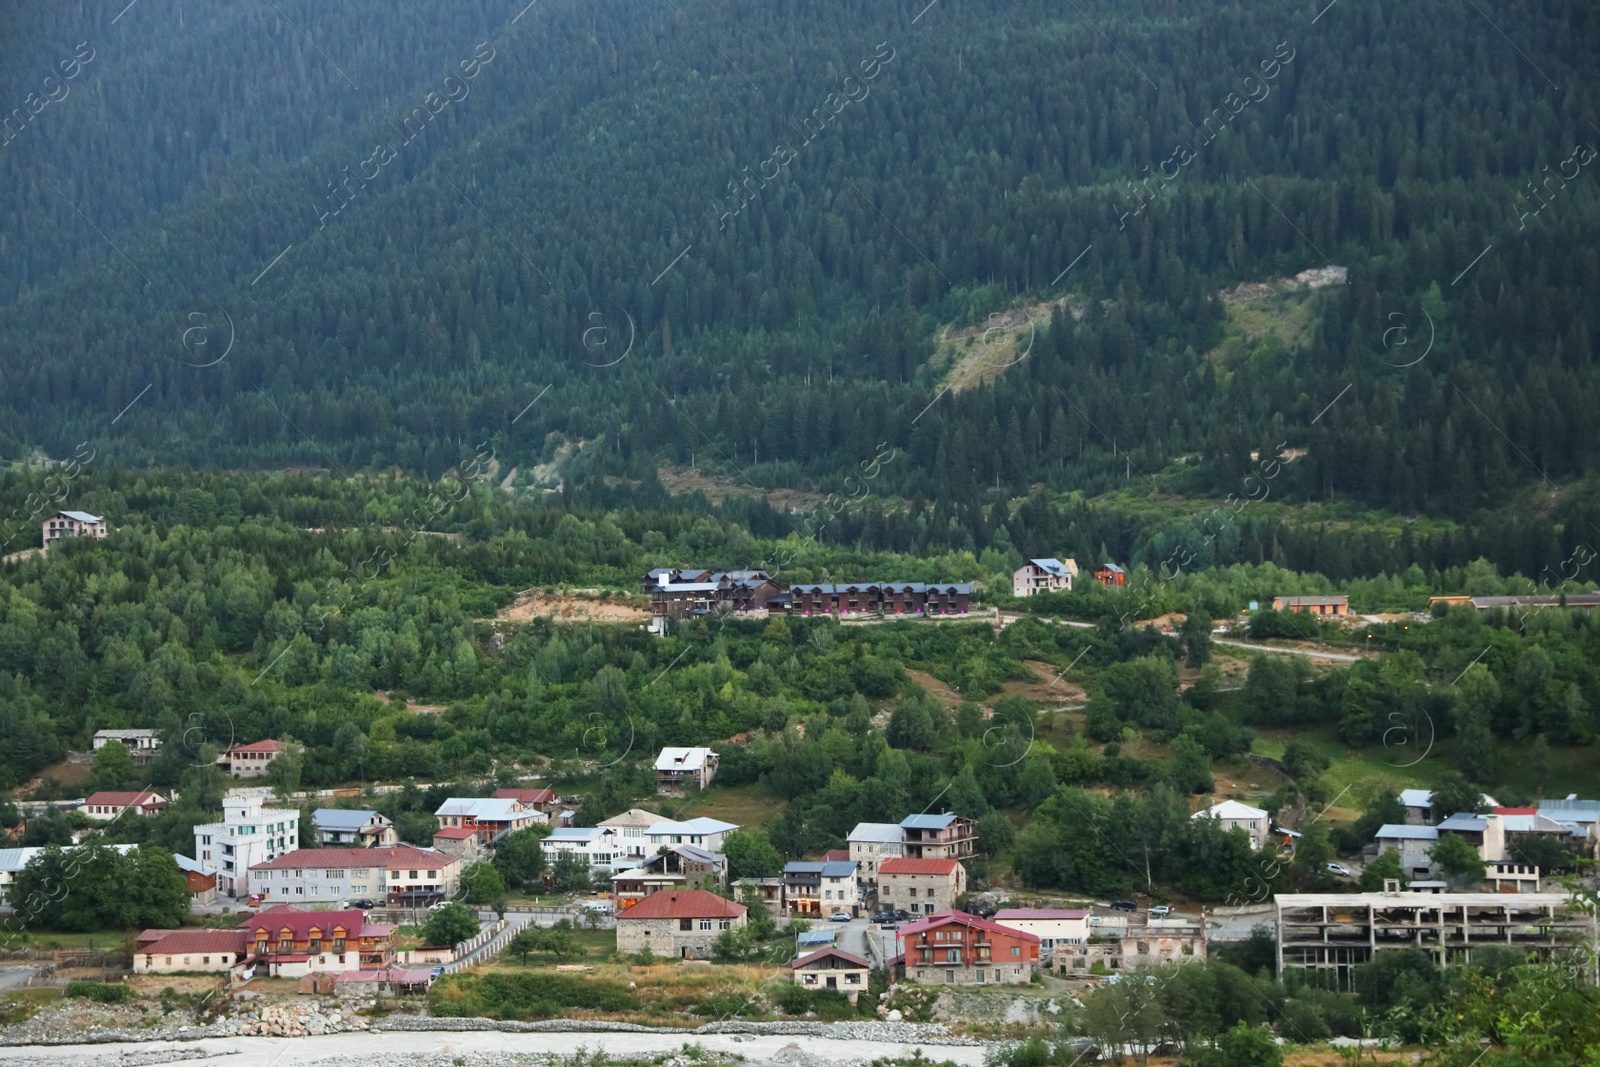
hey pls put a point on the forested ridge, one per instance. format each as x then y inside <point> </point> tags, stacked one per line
<point>982,156</point>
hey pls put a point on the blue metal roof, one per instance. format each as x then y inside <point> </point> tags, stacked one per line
<point>927,822</point>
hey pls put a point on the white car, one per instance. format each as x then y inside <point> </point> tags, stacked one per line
<point>1160,910</point>
<point>1340,869</point>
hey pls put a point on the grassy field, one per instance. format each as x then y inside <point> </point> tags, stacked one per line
<point>744,805</point>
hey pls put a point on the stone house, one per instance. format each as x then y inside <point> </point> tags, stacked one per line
<point>677,925</point>
<point>920,886</point>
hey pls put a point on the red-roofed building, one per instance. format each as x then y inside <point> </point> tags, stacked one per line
<point>401,876</point>
<point>954,948</point>
<point>167,951</point>
<point>295,943</point>
<point>106,806</point>
<point>544,800</point>
<point>249,761</point>
<point>920,887</point>
<point>462,841</point>
<point>677,924</point>
<point>836,855</point>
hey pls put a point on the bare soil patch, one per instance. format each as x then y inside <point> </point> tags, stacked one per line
<point>1044,688</point>
<point>718,488</point>
<point>533,605</point>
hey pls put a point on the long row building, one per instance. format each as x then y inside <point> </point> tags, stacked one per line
<point>685,592</point>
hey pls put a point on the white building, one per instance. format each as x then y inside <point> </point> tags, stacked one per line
<point>488,816</point>
<point>597,844</point>
<point>247,835</point>
<point>107,805</point>
<point>1236,816</point>
<point>353,828</point>
<point>72,524</point>
<point>400,877</point>
<point>137,742</point>
<point>1052,926</point>
<point>630,826</point>
<point>873,842</point>
<point>704,832</point>
<point>680,769</point>
<point>1043,576</point>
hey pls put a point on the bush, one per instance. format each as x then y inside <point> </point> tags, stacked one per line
<point>104,992</point>
<point>526,996</point>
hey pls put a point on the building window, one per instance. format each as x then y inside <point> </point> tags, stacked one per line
<point>685,924</point>
<point>705,924</point>
<point>1016,951</point>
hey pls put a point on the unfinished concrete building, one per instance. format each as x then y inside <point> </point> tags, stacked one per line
<point>1331,933</point>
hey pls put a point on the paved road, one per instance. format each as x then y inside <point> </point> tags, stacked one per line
<point>400,1046</point>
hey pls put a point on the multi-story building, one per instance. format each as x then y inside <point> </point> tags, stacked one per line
<point>72,524</point>
<point>680,770</point>
<point>293,943</point>
<point>105,806</point>
<point>1110,574</point>
<point>954,948</point>
<point>630,827</point>
<point>596,844</point>
<point>821,888</point>
<point>401,877</point>
<point>1336,932</point>
<point>1052,926</point>
<point>542,800</point>
<point>1236,816</point>
<point>943,836</point>
<point>920,887</point>
<point>870,844</point>
<point>353,828</point>
<point>247,835</point>
<point>489,816</point>
<point>677,924</point>
<point>874,598</point>
<point>249,761</point>
<point>680,867</point>
<point>1043,576</point>
<point>706,832</point>
<point>1129,942</point>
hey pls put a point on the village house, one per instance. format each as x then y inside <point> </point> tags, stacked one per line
<point>680,867</point>
<point>353,828</point>
<point>199,878</point>
<point>954,948</point>
<point>706,832</point>
<point>1052,926</point>
<point>870,844</point>
<point>1043,576</point>
<point>679,592</point>
<point>72,524</point>
<point>1312,605</point>
<point>876,598</point>
<point>105,806</point>
<point>943,836</point>
<point>818,889</point>
<point>677,924</point>
<point>293,943</point>
<point>541,800</point>
<point>832,968</point>
<point>770,891</point>
<point>920,886</point>
<point>1419,806</point>
<point>1412,843</point>
<point>1110,574</point>
<point>630,827</point>
<point>171,951</point>
<point>1236,816</point>
<point>597,845</point>
<point>141,744</point>
<point>681,769</point>
<point>489,817</point>
<point>402,876</point>
<point>247,835</point>
<point>462,842</point>
<point>249,761</point>
<point>1582,815</point>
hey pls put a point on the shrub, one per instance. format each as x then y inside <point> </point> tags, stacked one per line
<point>104,992</point>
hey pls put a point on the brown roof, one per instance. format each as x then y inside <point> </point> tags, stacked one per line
<point>527,796</point>
<point>901,865</point>
<point>258,746</point>
<point>194,941</point>
<point>685,904</point>
<point>455,833</point>
<point>836,855</point>
<point>120,800</point>
<point>275,920</point>
<point>944,918</point>
<point>821,954</point>
<point>391,858</point>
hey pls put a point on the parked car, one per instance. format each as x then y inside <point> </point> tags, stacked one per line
<point>901,915</point>
<point>1124,905</point>
<point>364,904</point>
<point>1160,910</point>
<point>604,907</point>
<point>839,917</point>
<point>1340,869</point>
